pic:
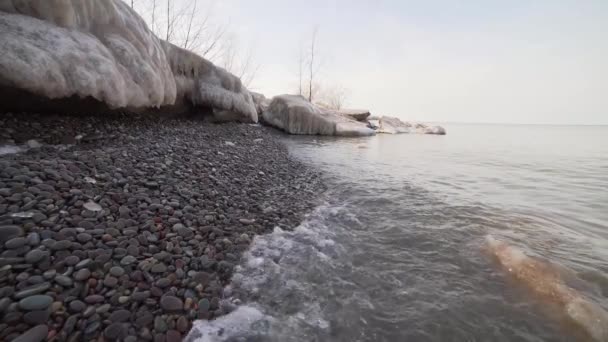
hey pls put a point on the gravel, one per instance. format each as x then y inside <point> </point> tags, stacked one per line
<point>133,230</point>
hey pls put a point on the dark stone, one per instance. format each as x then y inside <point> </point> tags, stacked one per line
<point>9,232</point>
<point>35,302</point>
<point>77,306</point>
<point>171,303</point>
<point>173,336</point>
<point>35,334</point>
<point>120,316</point>
<point>37,317</point>
<point>115,331</point>
<point>35,255</point>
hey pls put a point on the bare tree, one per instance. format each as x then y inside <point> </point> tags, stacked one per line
<point>300,69</point>
<point>188,25</point>
<point>334,97</point>
<point>311,63</point>
<point>131,3</point>
<point>242,66</point>
<point>153,22</point>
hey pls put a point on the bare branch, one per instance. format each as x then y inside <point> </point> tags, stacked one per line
<point>311,64</point>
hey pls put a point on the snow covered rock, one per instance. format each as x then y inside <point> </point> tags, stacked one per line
<point>357,114</point>
<point>200,83</point>
<point>102,49</point>
<point>260,101</point>
<point>438,130</point>
<point>392,125</point>
<point>295,115</point>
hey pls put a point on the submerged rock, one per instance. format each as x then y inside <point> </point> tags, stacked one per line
<point>103,50</point>
<point>295,115</point>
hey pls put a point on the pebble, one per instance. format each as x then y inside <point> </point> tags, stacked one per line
<point>171,303</point>
<point>160,326</point>
<point>36,317</point>
<point>128,260</point>
<point>82,274</point>
<point>32,290</point>
<point>120,316</point>
<point>182,324</point>
<point>173,336</point>
<point>64,280</point>
<point>77,306</point>
<point>35,334</point>
<point>9,232</point>
<point>110,281</point>
<point>115,331</point>
<point>159,268</point>
<point>15,243</point>
<point>117,271</point>
<point>34,256</point>
<point>94,299</point>
<point>35,302</point>
<point>148,236</point>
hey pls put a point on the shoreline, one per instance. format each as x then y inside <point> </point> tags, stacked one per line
<point>132,225</point>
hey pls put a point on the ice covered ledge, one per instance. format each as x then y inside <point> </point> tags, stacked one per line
<point>103,50</point>
<point>296,115</point>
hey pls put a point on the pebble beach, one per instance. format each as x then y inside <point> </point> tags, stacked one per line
<point>127,227</point>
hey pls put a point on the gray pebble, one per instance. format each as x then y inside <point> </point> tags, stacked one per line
<point>35,302</point>
<point>35,334</point>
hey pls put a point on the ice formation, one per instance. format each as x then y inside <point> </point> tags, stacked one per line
<point>104,50</point>
<point>295,115</point>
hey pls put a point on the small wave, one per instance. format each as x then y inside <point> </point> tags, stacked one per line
<point>545,280</point>
<point>242,322</point>
<point>276,278</point>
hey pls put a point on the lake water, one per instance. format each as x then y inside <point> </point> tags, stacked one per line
<point>397,249</point>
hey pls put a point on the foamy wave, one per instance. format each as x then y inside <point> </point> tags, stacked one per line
<point>272,272</point>
<point>244,321</point>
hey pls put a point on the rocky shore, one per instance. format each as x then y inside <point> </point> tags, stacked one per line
<point>126,227</point>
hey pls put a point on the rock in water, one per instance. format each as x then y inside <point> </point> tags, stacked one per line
<point>437,130</point>
<point>295,115</point>
<point>102,49</point>
<point>392,125</point>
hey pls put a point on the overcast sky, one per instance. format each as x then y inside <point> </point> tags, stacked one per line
<point>457,61</point>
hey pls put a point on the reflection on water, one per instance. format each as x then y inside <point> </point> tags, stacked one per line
<point>396,252</point>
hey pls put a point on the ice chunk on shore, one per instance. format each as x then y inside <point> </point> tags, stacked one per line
<point>104,50</point>
<point>295,115</point>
